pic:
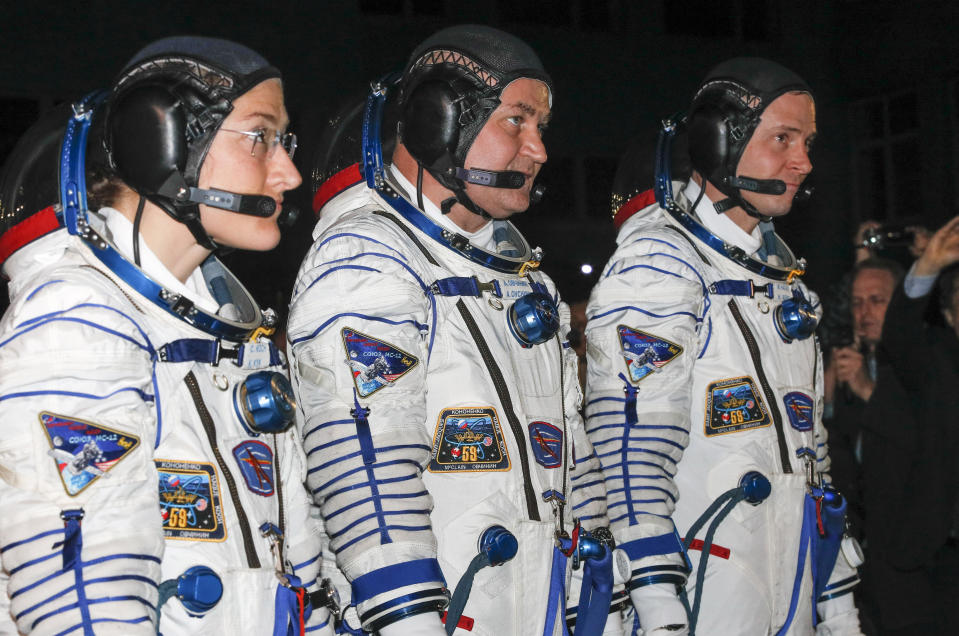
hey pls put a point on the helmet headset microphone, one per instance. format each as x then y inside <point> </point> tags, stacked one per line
<point>451,86</point>
<point>724,114</point>
<point>162,116</point>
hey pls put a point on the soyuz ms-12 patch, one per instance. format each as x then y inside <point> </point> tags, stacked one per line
<point>734,405</point>
<point>83,451</point>
<point>468,440</point>
<point>547,443</point>
<point>190,501</point>
<point>645,353</point>
<point>799,410</point>
<point>255,460</point>
<point>374,363</point>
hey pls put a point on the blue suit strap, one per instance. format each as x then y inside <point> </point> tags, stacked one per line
<point>465,286</point>
<point>396,576</point>
<point>192,350</point>
<point>652,546</point>
<point>747,288</point>
<point>209,351</point>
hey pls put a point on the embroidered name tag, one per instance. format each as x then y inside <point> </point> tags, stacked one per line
<point>374,363</point>
<point>468,440</point>
<point>645,353</point>
<point>83,451</point>
<point>734,405</point>
<point>547,443</point>
<point>799,410</point>
<point>255,460</point>
<point>190,501</point>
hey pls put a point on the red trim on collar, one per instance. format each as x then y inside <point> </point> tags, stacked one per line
<point>632,206</point>
<point>345,178</point>
<point>28,230</point>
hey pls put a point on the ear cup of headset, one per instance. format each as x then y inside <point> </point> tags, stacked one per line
<point>429,122</point>
<point>146,137</point>
<point>708,143</point>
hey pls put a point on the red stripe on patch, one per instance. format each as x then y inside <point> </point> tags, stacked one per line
<point>27,231</point>
<point>634,205</point>
<point>334,185</point>
<point>714,549</point>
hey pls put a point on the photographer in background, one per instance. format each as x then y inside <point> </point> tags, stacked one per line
<point>910,470</point>
<point>850,375</point>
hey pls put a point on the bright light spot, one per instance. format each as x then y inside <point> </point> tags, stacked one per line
<point>586,269</point>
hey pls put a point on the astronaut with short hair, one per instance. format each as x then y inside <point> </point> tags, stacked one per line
<point>704,389</point>
<point>438,392</point>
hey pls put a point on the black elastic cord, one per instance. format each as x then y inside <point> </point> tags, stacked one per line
<point>136,230</point>
<point>419,186</point>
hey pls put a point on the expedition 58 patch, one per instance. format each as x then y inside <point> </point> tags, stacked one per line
<point>645,353</point>
<point>468,440</point>
<point>83,451</point>
<point>190,501</point>
<point>734,405</point>
<point>374,363</point>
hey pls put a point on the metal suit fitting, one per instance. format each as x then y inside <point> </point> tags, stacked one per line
<point>756,488</point>
<point>265,403</point>
<point>199,589</point>
<point>499,545</point>
<point>533,319</point>
<point>795,318</point>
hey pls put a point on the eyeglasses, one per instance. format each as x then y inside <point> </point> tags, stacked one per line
<point>269,138</point>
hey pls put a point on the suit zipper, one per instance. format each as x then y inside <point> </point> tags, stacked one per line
<point>767,390</point>
<point>252,559</point>
<point>499,383</point>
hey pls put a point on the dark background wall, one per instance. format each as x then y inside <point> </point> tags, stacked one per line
<point>885,73</point>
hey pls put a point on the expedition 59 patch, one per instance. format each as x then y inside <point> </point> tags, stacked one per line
<point>734,405</point>
<point>190,501</point>
<point>468,439</point>
<point>374,363</point>
<point>645,353</point>
<point>83,451</point>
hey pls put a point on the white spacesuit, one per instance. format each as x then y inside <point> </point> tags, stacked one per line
<point>690,387</point>
<point>144,467</point>
<point>464,428</point>
<point>175,480</point>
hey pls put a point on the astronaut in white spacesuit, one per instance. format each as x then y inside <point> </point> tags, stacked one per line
<point>437,391</point>
<point>704,384</point>
<point>148,470</point>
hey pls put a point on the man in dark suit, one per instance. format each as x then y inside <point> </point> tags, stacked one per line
<point>910,447</point>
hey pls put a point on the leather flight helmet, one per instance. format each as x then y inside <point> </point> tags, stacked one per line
<point>165,109</point>
<point>451,86</point>
<point>724,115</point>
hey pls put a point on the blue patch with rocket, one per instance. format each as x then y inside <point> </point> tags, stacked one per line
<point>799,408</point>
<point>547,443</point>
<point>645,353</point>
<point>255,460</point>
<point>190,501</point>
<point>734,405</point>
<point>374,363</point>
<point>83,451</point>
<point>468,439</point>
